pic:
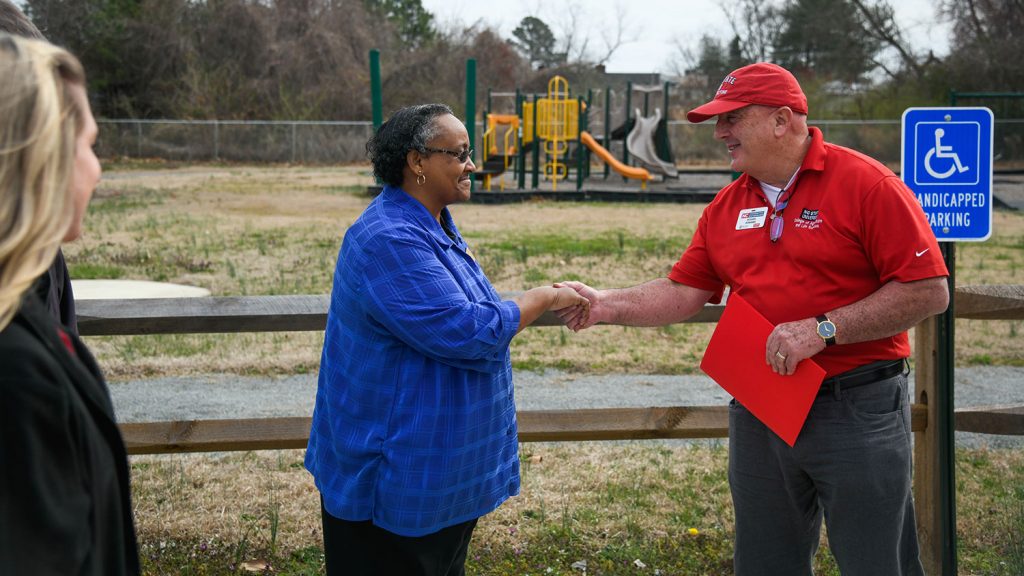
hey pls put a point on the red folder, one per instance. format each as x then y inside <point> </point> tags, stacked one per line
<point>735,359</point>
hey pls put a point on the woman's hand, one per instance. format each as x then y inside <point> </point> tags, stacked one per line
<point>569,303</point>
<point>572,317</point>
<point>563,299</point>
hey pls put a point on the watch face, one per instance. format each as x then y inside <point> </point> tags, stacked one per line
<point>826,329</point>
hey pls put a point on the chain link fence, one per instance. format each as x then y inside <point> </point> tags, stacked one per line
<point>880,139</point>
<point>236,141</point>
<point>344,142</point>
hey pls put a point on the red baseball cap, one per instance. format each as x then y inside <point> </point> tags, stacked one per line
<point>761,83</point>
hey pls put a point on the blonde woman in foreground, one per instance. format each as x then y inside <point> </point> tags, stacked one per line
<point>64,497</point>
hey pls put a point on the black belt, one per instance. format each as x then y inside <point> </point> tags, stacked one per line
<point>868,374</point>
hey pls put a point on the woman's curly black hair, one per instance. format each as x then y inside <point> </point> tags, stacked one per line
<point>408,129</point>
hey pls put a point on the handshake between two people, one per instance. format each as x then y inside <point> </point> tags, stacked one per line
<point>564,301</point>
<point>579,317</point>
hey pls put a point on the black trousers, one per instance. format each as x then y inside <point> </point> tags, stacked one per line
<point>362,549</point>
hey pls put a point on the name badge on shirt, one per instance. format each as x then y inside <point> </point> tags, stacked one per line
<point>752,218</point>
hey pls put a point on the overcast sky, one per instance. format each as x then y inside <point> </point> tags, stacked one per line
<point>655,24</point>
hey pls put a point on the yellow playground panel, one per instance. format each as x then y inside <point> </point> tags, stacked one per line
<point>502,128</point>
<point>558,118</point>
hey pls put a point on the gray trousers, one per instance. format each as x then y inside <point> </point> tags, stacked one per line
<point>851,465</point>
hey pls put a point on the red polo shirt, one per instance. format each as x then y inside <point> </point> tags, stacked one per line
<point>851,226</point>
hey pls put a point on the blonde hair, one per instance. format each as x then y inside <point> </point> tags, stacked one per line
<point>39,123</point>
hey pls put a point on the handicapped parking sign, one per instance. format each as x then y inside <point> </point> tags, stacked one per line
<point>947,163</point>
<point>941,164</point>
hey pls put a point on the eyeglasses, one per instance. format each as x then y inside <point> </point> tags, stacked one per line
<point>462,156</point>
<point>778,221</point>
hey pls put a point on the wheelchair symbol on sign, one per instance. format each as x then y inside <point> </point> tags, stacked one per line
<point>940,151</point>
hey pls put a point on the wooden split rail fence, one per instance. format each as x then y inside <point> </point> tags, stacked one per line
<point>309,313</point>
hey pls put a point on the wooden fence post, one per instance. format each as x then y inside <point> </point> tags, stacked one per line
<point>926,446</point>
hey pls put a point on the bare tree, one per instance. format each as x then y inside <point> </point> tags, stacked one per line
<point>986,44</point>
<point>683,58</point>
<point>622,33</point>
<point>879,22</point>
<point>756,23</point>
<point>576,35</point>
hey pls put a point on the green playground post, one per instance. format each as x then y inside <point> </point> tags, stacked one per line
<point>536,147</point>
<point>580,156</point>
<point>665,144</point>
<point>520,153</point>
<point>664,110</point>
<point>584,125</point>
<point>471,109</point>
<point>607,142</point>
<point>471,100</point>
<point>625,126</point>
<point>376,97</point>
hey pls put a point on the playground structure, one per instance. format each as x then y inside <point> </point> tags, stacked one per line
<point>547,136</point>
<point>552,131</point>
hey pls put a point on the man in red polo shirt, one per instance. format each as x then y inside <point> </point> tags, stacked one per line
<point>833,249</point>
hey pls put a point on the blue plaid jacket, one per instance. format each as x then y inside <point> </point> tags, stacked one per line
<point>414,425</point>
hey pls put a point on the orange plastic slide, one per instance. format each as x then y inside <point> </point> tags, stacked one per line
<point>628,171</point>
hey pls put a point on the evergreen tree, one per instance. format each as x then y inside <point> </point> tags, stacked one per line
<point>97,31</point>
<point>825,38</point>
<point>414,23</point>
<point>534,39</point>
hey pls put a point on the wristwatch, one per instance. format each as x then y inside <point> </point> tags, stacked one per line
<point>826,329</point>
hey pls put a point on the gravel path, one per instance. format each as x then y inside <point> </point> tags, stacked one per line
<point>230,396</point>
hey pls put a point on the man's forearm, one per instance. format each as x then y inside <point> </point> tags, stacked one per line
<point>655,303</point>
<point>893,308</point>
<point>890,310</point>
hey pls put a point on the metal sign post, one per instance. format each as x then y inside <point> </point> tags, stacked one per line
<point>947,163</point>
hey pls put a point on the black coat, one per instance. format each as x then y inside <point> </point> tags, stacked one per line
<point>65,504</point>
<point>54,288</point>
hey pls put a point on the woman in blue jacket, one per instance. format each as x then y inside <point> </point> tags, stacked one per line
<point>414,431</point>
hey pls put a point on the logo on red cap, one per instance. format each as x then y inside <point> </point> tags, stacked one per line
<point>730,79</point>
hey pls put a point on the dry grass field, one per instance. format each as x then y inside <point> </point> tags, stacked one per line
<point>595,508</point>
<point>600,505</point>
<point>241,230</point>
